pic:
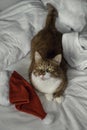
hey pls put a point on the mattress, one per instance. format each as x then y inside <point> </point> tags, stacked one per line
<point>25,19</point>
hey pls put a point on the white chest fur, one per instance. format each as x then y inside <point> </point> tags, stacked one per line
<point>48,85</point>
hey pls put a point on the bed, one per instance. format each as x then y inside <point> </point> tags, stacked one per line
<point>19,22</point>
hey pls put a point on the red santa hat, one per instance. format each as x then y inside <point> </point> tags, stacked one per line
<point>23,95</point>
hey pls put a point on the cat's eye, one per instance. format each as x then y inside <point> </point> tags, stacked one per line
<point>41,72</point>
<point>50,69</point>
<point>40,67</point>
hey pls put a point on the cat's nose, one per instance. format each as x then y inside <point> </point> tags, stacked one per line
<point>41,76</point>
<point>47,75</point>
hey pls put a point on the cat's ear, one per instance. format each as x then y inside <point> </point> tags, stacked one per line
<point>58,58</point>
<point>37,57</point>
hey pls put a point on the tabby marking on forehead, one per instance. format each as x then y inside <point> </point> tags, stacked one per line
<point>45,66</point>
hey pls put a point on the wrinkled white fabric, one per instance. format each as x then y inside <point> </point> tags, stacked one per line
<point>75,50</point>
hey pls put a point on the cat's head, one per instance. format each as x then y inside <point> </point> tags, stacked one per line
<point>47,68</point>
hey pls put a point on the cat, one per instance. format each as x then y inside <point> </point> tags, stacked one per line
<point>47,72</point>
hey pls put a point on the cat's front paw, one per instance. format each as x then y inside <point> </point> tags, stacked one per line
<point>59,99</point>
<point>49,97</point>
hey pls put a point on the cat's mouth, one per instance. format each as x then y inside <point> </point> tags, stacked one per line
<point>44,77</point>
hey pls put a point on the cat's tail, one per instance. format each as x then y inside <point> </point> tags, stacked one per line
<point>51,17</point>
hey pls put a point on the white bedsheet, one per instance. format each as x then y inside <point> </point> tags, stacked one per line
<point>71,114</point>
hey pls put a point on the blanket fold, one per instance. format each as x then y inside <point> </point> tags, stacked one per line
<point>75,50</point>
<point>24,97</point>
